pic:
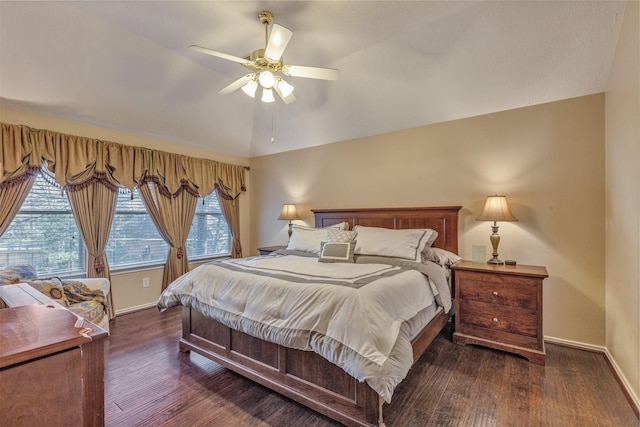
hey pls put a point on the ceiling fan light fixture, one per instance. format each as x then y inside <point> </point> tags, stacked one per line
<point>267,95</point>
<point>250,88</point>
<point>266,63</point>
<point>285,88</point>
<point>267,79</point>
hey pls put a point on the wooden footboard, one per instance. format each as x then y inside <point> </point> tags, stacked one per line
<point>302,376</point>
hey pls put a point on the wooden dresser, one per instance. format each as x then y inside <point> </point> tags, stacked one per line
<point>51,362</point>
<point>500,306</point>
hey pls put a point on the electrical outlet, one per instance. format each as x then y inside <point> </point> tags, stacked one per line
<point>145,282</point>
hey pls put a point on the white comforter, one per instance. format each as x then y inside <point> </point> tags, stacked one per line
<point>351,314</point>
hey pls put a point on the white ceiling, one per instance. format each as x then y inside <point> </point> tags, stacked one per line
<point>403,64</point>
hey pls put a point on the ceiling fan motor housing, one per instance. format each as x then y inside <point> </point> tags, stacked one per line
<point>260,63</point>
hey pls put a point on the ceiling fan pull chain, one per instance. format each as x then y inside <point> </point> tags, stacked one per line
<point>272,121</point>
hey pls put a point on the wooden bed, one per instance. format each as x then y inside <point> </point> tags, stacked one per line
<point>305,376</point>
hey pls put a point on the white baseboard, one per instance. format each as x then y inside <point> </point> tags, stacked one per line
<point>623,380</point>
<point>135,308</point>
<point>635,401</point>
<point>574,344</point>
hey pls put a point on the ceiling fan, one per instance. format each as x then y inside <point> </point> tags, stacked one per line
<point>267,65</point>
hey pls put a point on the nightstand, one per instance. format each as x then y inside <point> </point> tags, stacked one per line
<point>500,306</point>
<point>266,250</point>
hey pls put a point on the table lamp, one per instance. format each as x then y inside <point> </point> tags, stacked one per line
<point>289,213</point>
<point>496,209</point>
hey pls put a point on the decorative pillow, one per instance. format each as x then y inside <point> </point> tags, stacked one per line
<point>16,274</point>
<point>52,288</point>
<point>441,256</point>
<point>337,235</point>
<point>337,251</point>
<point>405,244</point>
<point>342,226</point>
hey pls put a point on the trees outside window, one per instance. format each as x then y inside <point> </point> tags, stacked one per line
<point>45,235</point>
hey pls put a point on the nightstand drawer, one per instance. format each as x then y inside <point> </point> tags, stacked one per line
<point>498,289</point>
<point>498,317</point>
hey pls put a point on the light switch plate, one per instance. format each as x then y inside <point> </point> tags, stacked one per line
<point>478,253</point>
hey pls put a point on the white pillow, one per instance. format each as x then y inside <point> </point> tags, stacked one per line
<point>307,239</point>
<point>431,237</point>
<point>441,256</point>
<point>341,226</point>
<point>405,244</point>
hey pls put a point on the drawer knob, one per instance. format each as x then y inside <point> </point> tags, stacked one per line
<point>495,293</point>
<point>495,320</point>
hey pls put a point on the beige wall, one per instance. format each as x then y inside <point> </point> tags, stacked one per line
<point>128,293</point>
<point>547,159</point>
<point>622,102</point>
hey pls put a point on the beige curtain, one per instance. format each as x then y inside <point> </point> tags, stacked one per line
<point>173,217</point>
<point>20,163</point>
<point>93,205</point>
<point>231,212</point>
<point>231,182</point>
<point>12,195</point>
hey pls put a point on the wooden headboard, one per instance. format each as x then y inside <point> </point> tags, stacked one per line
<point>443,219</point>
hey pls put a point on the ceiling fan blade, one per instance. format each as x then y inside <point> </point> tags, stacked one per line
<point>236,84</point>
<point>311,72</point>
<point>287,100</point>
<point>278,41</point>
<point>220,54</point>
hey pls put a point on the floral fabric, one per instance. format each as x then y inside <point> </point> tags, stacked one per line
<point>77,292</point>
<point>75,295</point>
<point>52,288</point>
<point>16,274</point>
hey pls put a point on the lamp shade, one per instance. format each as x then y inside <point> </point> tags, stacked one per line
<point>496,209</point>
<point>250,88</point>
<point>285,88</point>
<point>289,212</point>
<point>267,95</point>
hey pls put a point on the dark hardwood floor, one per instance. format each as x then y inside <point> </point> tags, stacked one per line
<point>148,382</point>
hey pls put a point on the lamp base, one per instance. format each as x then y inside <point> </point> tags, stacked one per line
<point>495,260</point>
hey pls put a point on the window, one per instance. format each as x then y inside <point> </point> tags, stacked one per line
<point>209,234</point>
<point>134,240</point>
<point>44,233</point>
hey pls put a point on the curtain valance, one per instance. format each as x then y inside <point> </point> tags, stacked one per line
<point>78,160</point>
